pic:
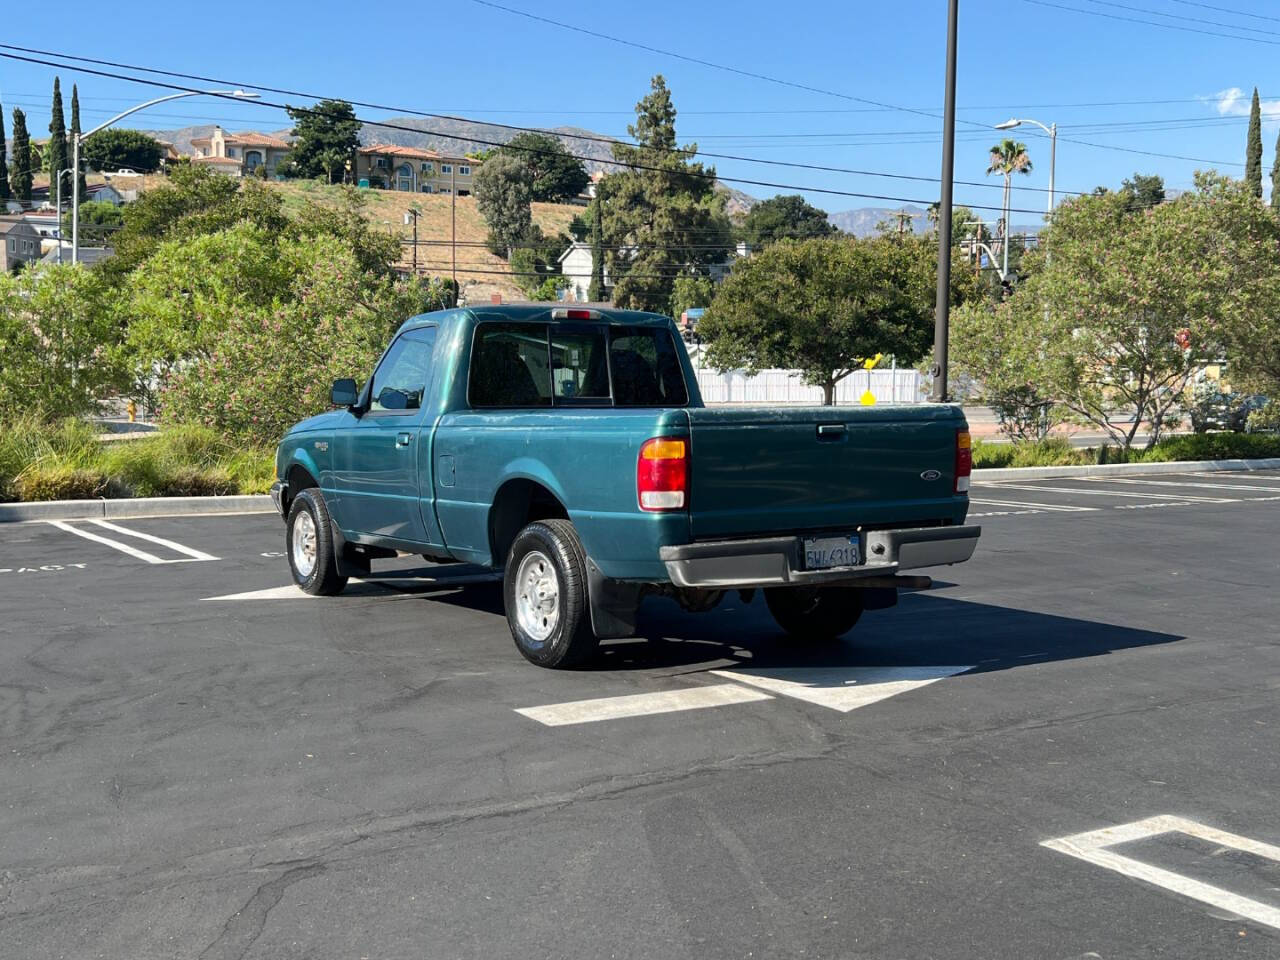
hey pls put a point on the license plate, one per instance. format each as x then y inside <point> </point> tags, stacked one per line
<point>824,553</point>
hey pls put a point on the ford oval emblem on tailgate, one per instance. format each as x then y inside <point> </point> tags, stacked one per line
<point>931,475</point>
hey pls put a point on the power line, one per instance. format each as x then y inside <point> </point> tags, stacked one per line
<point>494,143</point>
<point>1151,23</point>
<point>1175,16</point>
<point>1238,13</point>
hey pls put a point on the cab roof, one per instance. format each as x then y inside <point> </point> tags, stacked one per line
<point>543,312</point>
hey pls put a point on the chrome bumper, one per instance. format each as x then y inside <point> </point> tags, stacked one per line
<point>779,561</point>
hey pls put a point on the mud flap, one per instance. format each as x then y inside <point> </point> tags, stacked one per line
<point>614,604</point>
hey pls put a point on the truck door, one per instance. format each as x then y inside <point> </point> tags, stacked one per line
<point>378,455</point>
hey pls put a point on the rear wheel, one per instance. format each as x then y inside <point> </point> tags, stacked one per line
<point>814,614</point>
<point>310,547</point>
<point>545,592</point>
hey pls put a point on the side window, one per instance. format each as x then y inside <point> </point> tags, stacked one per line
<point>509,366</point>
<point>402,376</point>
<point>646,368</point>
<point>579,370</point>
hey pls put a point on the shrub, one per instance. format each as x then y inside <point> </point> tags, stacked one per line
<point>1214,446</point>
<point>1050,452</point>
<point>1265,419</point>
<point>988,455</point>
<point>61,483</point>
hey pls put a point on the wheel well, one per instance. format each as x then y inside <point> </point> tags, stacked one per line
<point>517,504</point>
<point>298,478</point>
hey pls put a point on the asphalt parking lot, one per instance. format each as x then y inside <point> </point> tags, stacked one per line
<point>198,761</point>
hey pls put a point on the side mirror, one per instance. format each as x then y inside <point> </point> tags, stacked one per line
<point>344,393</point>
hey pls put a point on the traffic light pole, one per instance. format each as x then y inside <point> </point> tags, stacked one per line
<point>942,312</point>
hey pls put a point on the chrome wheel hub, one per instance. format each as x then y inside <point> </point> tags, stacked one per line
<point>304,544</point>
<point>537,596</point>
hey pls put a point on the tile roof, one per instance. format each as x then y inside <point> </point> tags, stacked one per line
<point>390,149</point>
<point>225,161</point>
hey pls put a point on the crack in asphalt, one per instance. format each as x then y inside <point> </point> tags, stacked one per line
<point>245,926</point>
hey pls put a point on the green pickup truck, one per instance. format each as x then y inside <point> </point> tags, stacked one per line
<point>569,448</point>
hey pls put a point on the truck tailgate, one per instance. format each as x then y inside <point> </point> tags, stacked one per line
<point>785,470</point>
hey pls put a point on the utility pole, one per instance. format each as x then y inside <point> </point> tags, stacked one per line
<point>453,218</point>
<point>413,212</point>
<point>942,312</point>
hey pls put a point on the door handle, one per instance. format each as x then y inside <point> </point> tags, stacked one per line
<point>402,439</point>
<point>830,431</point>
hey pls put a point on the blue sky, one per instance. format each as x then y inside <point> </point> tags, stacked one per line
<point>1017,57</point>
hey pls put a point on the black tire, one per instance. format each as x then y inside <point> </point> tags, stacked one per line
<point>814,614</point>
<point>323,579</point>
<point>554,551</point>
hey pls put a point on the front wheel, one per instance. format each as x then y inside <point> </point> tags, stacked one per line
<point>544,588</point>
<point>814,613</point>
<point>310,547</point>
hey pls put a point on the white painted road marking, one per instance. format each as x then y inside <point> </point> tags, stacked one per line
<point>840,688</point>
<point>271,593</point>
<point>1179,483</point>
<point>1092,847</point>
<point>1059,507</point>
<point>191,556</point>
<point>176,547</point>
<point>641,704</point>
<point>1115,493</point>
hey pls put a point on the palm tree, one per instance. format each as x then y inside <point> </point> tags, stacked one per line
<point>1007,158</point>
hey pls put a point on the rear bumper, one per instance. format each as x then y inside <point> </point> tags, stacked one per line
<point>279,496</point>
<point>778,561</point>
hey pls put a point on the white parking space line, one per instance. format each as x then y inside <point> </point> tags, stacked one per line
<point>1118,493</point>
<point>1092,848</point>
<point>1252,477</point>
<point>1182,483</point>
<point>1060,507</point>
<point>840,688</point>
<point>641,704</point>
<point>191,556</point>
<point>176,547</point>
<point>114,544</point>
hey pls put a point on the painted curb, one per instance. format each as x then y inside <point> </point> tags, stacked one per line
<point>1122,469</point>
<point>139,507</point>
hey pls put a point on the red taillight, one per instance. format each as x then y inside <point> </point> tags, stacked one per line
<point>662,474</point>
<point>577,314</point>
<point>964,461</point>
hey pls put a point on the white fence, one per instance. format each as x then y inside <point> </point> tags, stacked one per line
<point>785,386</point>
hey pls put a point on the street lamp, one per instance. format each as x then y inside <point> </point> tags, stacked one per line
<point>1052,131</point>
<point>82,137</point>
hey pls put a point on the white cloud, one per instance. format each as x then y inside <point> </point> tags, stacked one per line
<point>1234,102</point>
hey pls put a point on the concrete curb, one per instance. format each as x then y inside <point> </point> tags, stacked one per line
<point>1122,469</point>
<point>197,506</point>
<point>139,507</point>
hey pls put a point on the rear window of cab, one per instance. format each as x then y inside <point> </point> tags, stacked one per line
<point>544,365</point>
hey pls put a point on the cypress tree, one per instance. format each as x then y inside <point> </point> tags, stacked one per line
<point>1275,178</point>
<point>75,132</point>
<point>56,155</point>
<point>4,160</point>
<point>21,180</point>
<point>595,291</point>
<point>1253,149</point>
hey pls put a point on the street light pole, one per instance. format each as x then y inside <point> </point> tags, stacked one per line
<point>1052,131</point>
<point>81,138</point>
<point>413,212</point>
<point>58,203</point>
<point>942,311</point>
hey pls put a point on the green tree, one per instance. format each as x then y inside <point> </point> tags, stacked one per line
<point>690,290</point>
<point>20,181</point>
<point>1097,328</point>
<point>55,157</point>
<point>783,218</point>
<point>327,136</point>
<point>121,149</point>
<point>58,340</point>
<point>595,290</point>
<point>98,221</point>
<point>503,191</point>
<point>823,305</point>
<point>1142,192</point>
<point>661,213</point>
<point>1275,178</point>
<point>4,160</point>
<point>1007,158</point>
<point>1253,148</point>
<point>555,174</point>
<point>75,132</point>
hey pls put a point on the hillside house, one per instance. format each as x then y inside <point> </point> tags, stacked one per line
<point>414,170</point>
<point>19,244</point>
<point>239,154</point>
